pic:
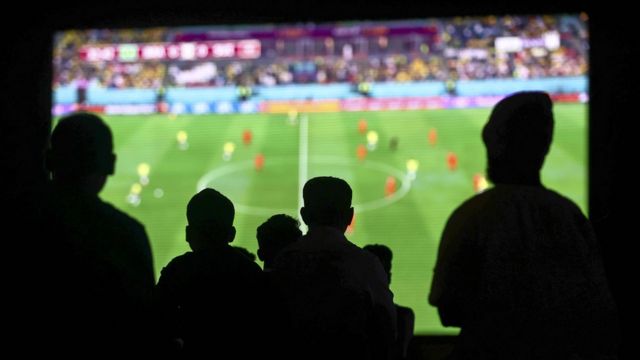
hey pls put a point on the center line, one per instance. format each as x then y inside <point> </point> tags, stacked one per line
<point>303,162</point>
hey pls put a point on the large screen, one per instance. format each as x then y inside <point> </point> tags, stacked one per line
<point>395,108</point>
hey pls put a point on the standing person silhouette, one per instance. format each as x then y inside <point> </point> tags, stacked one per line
<point>102,267</point>
<point>518,268</point>
<point>337,293</point>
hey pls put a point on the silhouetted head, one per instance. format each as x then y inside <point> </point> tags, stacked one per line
<point>274,235</point>
<point>327,202</point>
<point>210,215</point>
<point>518,136</point>
<point>384,254</point>
<point>81,152</point>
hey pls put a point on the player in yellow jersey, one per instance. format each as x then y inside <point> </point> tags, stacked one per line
<point>182,137</point>
<point>412,168</point>
<point>372,140</point>
<point>227,150</point>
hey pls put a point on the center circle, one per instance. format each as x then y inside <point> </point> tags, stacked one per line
<point>222,171</point>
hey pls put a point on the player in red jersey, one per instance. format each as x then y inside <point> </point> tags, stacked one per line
<point>390,186</point>
<point>452,161</point>
<point>259,162</point>
<point>361,152</point>
<point>480,183</point>
<point>433,137</point>
<point>362,126</point>
<point>247,136</point>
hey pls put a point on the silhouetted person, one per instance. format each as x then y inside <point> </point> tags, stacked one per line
<point>451,87</point>
<point>274,235</point>
<point>519,269</point>
<point>161,103</point>
<point>406,317</point>
<point>81,92</point>
<point>337,293</point>
<point>207,298</point>
<point>101,269</point>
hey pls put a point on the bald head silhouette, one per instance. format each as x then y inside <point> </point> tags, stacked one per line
<point>518,137</point>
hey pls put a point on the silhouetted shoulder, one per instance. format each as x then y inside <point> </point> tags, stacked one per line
<point>370,258</point>
<point>178,262</point>
<point>561,202</point>
<point>111,213</point>
<point>472,207</point>
<point>225,260</point>
<point>127,236</point>
<point>502,197</point>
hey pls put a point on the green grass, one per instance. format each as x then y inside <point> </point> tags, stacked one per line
<point>410,226</point>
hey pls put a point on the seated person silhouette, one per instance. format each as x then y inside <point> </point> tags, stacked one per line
<point>207,299</point>
<point>102,271</point>
<point>518,267</point>
<point>274,235</point>
<point>337,293</point>
<point>406,317</point>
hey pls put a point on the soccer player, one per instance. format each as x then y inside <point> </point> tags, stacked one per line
<point>182,140</point>
<point>364,89</point>
<point>480,183</point>
<point>227,150</point>
<point>452,161</point>
<point>247,136</point>
<point>244,92</point>
<point>134,194</point>
<point>390,186</point>
<point>143,172</point>
<point>412,168</point>
<point>361,152</point>
<point>362,126</point>
<point>161,105</point>
<point>393,143</point>
<point>433,137</point>
<point>451,87</point>
<point>81,92</point>
<point>372,140</point>
<point>259,162</point>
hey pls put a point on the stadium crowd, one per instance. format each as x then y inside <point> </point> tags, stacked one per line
<point>456,49</point>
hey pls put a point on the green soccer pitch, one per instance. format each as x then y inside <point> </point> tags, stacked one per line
<point>409,221</point>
